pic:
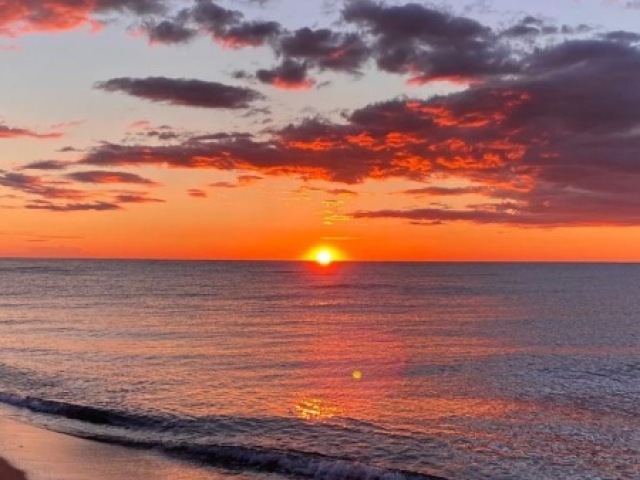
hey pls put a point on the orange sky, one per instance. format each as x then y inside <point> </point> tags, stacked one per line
<point>385,130</point>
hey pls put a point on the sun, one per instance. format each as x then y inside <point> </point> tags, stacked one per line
<point>324,257</point>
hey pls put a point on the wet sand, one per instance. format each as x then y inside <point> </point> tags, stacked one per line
<point>33,453</point>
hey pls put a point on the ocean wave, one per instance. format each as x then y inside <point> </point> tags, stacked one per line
<point>299,464</point>
<point>270,460</point>
<point>87,414</point>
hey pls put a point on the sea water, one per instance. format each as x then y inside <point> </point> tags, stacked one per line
<point>352,371</point>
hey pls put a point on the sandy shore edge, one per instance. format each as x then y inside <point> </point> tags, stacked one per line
<point>30,452</point>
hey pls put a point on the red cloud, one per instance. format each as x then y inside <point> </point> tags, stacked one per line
<point>197,193</point>
<point>109,177</point>
<point>28,16</point>
<point>547,145</point>
<point>286,84</point>
<point>20,16</point>
<point>9,132</point>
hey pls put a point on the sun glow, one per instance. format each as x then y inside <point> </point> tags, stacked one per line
<point>324,257</point>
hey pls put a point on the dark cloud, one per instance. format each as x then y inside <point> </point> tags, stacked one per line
<point>249,34</point>
<point>429,44</point>
<point>197,193</point>
<point>169,31</point>
<point>56,195</point>
<point>289,74</point>
<point>226,26</point>
<point>555,144</point>
<point>553,209</point>
<point>34,185</point>
<point>186,92</point>
<point>341,192</point>
<point>249,179</point>
<point>106,177</point>
<point>164,135</point>
<point>46,165</point>
<point>528,27</point>
<point>136,198</point>
<point>436,191</point>
<point>325,48</point>
<point>223,185</point>
<point>412,20</point>
<point>214,18</point>
<point>73,207</point>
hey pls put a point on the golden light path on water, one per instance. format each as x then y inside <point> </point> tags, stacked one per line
<point>350,370</point>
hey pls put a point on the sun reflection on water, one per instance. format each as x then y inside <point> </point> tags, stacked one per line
<point>316,409</point>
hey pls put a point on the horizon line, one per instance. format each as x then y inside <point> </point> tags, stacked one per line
<point>289,260</point>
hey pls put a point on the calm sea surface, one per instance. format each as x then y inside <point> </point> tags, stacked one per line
<point>391,371</point>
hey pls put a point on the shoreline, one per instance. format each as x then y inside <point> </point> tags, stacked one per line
<point>32,452</point>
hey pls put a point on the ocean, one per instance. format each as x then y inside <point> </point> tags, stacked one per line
<point>256,370</point>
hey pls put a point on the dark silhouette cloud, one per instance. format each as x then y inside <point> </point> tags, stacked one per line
<point>56,195</point>
<point>101,176</point>
<point>249,34</point>
<point>136,198</point>
<point>325,48</point>
<point>197,193</point>
<point>546,131</point>
<point>249,179</point>
<point>555,144</point>
<point>429,44</point>
<point>46,165</point>
<point>226,26</point>
<point>169,31</point>
<point>99,206</point>
<point>290,75</point>
<point>437,191</point>
<point>34,185</point>
<point>214,18</point>
<point>186,92</point>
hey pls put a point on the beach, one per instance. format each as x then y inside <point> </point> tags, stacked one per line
<point>28,452</point>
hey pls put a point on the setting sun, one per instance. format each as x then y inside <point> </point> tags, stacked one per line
<point>324,257</point>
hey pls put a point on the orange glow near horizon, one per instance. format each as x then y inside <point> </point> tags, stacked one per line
<point>324,255</point>
<point>182,229</point>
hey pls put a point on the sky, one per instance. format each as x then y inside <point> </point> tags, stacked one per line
<point>461,130</point>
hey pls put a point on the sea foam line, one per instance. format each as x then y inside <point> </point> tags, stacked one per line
<point>288,462</point>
